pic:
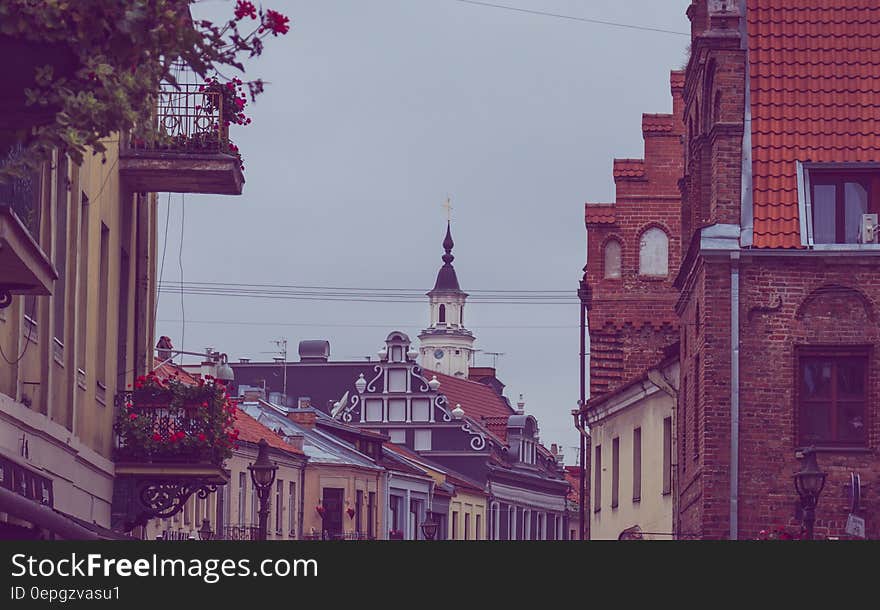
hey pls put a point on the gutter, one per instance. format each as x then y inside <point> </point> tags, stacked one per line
<point>43,516</point>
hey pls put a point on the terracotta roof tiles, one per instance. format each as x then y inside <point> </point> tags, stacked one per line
<point>599,213</point>
<point>478,400</point>
<point>814,76</point>
<point>658,123</point>
<point>629,168</point>
<point>250,430</point>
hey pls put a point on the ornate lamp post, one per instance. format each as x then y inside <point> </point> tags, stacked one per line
<point>263,475</point>
<point>205,532</point>
<point>809,483</point>
<point>429,527</point>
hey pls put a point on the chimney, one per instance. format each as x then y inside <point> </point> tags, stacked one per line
<point>487,376</point>
<point>304,417</point>
<point>294,440</point>
<point>697,12</point>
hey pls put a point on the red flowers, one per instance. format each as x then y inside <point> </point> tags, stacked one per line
<point>132,416</point>
<point>202,438</point>
<point>243,9</point>
<point>321,510</point>
<point>157,437</point>
<point>275,22</point>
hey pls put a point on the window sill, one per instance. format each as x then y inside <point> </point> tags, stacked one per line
<point>846,247</point>
<point>637,500</point>
<point>833,449</point>
<point>654,278</point>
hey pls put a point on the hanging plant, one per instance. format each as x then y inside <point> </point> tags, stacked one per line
<point>320,510</point>
<point>169,420</point>
<point>105,60</point>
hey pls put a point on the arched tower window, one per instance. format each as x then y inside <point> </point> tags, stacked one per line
<point>461,316</point>
<point>442,314</point>
<point>654,252</point>
<point>612,259</point>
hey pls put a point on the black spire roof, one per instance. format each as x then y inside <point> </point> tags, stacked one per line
<point>446,278</point>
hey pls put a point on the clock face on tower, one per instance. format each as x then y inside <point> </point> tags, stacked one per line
<point>438,354</point>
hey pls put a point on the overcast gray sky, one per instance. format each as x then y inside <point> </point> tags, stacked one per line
<point>375,111</point>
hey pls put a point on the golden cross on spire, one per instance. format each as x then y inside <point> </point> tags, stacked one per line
<point>448,207</point>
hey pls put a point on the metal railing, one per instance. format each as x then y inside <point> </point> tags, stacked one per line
<point>189,119</point>
<point>22,196</point>
<point>178,535</point>
<point>240,532</point>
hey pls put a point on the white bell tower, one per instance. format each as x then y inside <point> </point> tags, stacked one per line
<point>446,345</point>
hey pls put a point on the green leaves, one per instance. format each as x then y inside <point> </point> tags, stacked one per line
<point>122,49</point>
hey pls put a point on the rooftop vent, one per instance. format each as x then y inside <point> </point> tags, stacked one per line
<point>314,351</point>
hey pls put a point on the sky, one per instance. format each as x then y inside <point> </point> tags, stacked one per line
<point>374,112</point>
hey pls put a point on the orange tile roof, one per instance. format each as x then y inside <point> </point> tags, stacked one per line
<point>629,168</point>
<point>573,476</point>
<point>814,75</point>
<point>168,370</point>
<point>599,213</point>
<point>250,430</point>
<point>478,400</point>
<point>658,123</point>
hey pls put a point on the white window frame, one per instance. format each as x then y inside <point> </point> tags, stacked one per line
<point>805,205</point>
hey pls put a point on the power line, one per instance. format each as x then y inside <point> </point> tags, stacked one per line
<point>353,325</point>
<point>421,291</point>
<point>573,18</point>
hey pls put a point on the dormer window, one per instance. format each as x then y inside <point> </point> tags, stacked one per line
<point>837,200</point>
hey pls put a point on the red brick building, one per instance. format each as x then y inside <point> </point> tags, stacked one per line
<point>633,252</point>
<point>777,294</point>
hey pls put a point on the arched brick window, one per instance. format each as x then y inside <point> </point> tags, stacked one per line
<point>611,259</point>
<point>654,253</point>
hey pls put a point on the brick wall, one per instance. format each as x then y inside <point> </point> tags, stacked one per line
<point>632,317</point>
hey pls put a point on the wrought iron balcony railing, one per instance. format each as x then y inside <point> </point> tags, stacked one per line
<point>21,195</point>
<point>153,426</point>
<point>188,120</point>
<point>240,532</point>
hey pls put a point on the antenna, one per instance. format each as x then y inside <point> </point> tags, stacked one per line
<point>281,344</point>
<point>495,356</point>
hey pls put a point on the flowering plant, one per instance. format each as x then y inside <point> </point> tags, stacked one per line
<point>168,419</point>
<point>110,57</point>
<point>321,510</point>
<point>350,512</point>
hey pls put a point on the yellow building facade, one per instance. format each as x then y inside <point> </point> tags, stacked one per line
<point>72,343</point>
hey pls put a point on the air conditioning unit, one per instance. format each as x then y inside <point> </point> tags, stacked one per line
<point>868,232</point>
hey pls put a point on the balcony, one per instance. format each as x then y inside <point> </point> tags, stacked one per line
<point>239,532</point>
<point>172,442</point>
<point>191,153</point>
<point>25,267</point>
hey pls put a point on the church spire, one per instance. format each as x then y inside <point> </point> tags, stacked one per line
<point>447,278</point>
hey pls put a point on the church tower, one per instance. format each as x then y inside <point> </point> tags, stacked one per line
<point>446,345</point>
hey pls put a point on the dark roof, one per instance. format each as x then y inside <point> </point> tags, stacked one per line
<point>447,280</point>
<point>322,382</point>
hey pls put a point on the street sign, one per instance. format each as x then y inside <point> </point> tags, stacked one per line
<point>855,526</point>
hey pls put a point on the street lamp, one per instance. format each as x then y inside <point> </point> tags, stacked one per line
<point>205,532</point>
<point>262,476</point>
<point>429,527</point>
<point>809,482</point>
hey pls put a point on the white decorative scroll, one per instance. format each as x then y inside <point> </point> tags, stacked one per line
<point>379,371</point>
<point>416,372</point>
<point>440,402</point>
<point>346,415</point>
<point>478,442</point>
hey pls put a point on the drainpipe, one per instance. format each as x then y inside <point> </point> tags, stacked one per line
<point>734,395</point>
<point>657,377</point>
<point>302,500</point>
